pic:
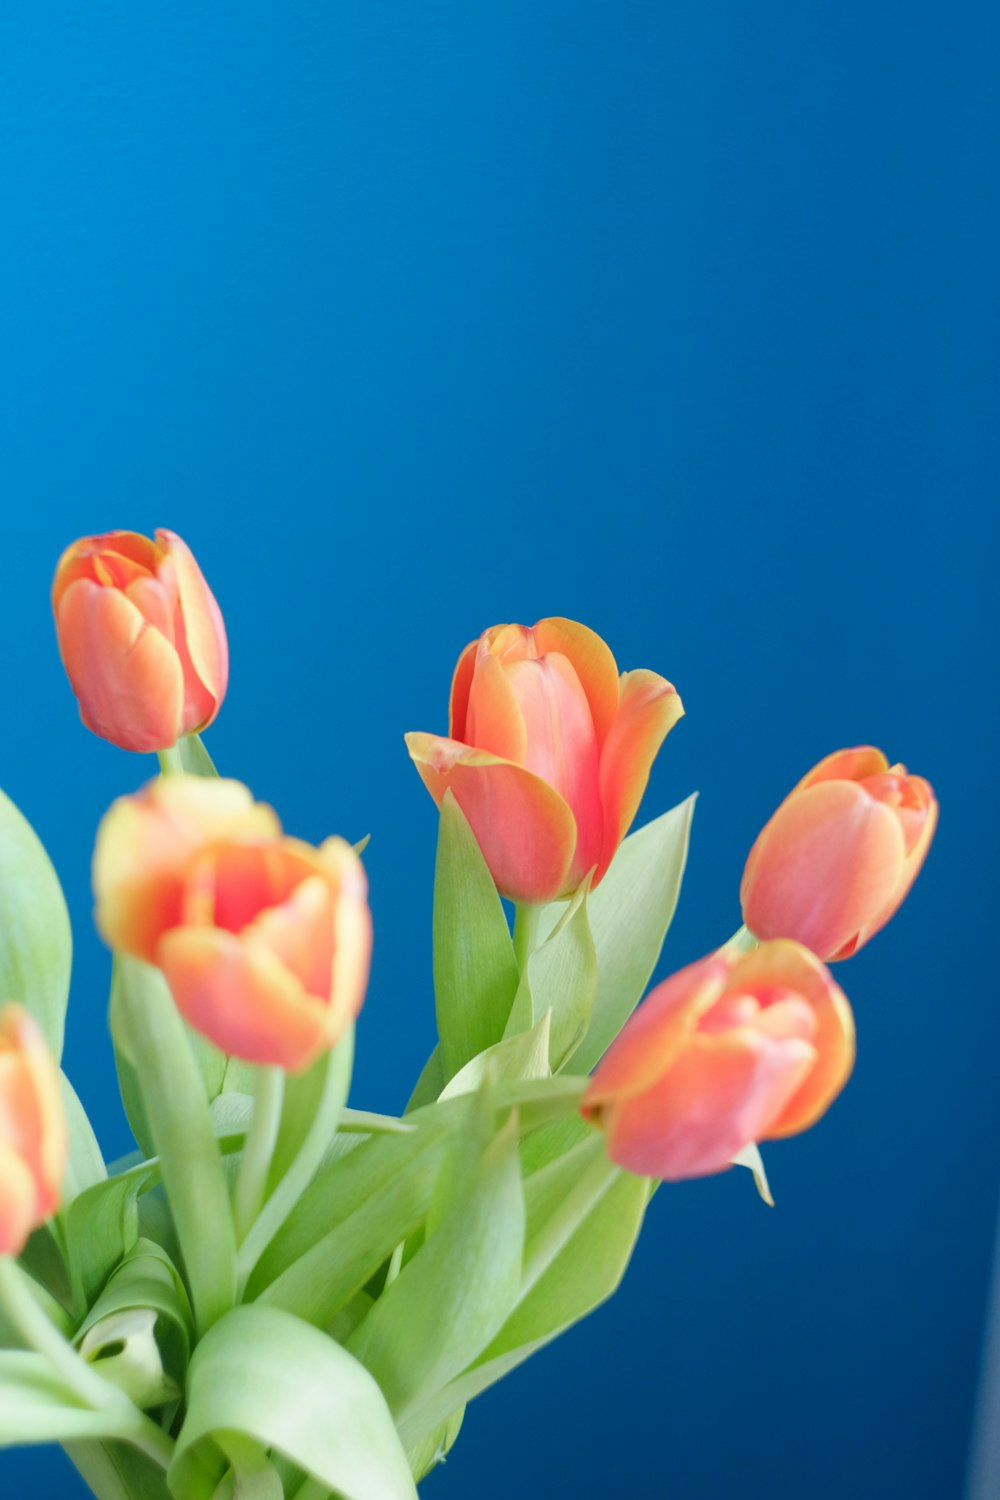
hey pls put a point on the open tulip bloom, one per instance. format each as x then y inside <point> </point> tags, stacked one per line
<point>278,1293</point>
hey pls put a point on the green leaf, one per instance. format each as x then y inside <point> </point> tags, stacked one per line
<point>430,1083</point>
<point>35,1407</point>
<point>269,1377</point>
<point>630,913</point>
<point>148,1280</point>
<point>102,1225</point>
<point>150,1032</point>
<point>36,945</point>
<point>523,1056</point>
<point>586,1271</point>
<point>434,1448</point>
<point>750,1157</point>
<point>475,972</point>
<point>86,1164</point>
<point>195,759</point>
<point>561,977</point>
<point>115,1471</point>
<point>452,1298</point>
<point>350,1220</point>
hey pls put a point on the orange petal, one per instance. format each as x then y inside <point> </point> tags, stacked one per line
<point>827,861</point>
<point>790,964</point>
<point>240,996</point>
<point>649,708</point>
<point>911,869</point>
<point>461,685</point>
<point>146,842</point>
<point>126,676</point>
<point>650,1039</point>
<point>203,643</point>
<point>721,1093</point>
<point>591,659</point>
<point>524,828</point>
<point>846,765</point>
<point>494,720</point>
<point>17,1201</point>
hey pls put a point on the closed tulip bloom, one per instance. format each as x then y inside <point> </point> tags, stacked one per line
<point>840,854</point>
<point>141,638</point>
<point>33,1140</point>
<point>548,752</point>
<point>728,1052</point>
<point>264,940</point>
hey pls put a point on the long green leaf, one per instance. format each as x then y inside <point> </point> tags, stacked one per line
<point>102,1225</point>
<point>86,1164</point>
<point>115,1471</point>
<point>36,945</point>
<point>453,1297</point>
<point>630,913</point>
<point>35,1407</point>
<point>475,971</point>
<point>267,1376</point>
<point>584,1274</point>
<point>150,1032</point>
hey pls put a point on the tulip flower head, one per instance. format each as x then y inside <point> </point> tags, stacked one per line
<point>728,1052</point>
<point>33,1139</point>
<point>548,752</point>
<point>840,854</point>
<point>264,940</point>
<point>141,638</point>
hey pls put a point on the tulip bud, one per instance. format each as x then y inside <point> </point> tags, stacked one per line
<point>264,941</point>
<point>141,638</point>
<point>840,854</point>
<point>33,1142</point>
<point>729,1052</point>
<point>548,753</point>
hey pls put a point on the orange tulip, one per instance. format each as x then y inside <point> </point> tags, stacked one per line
<point>33,1142</point>
<point>728,1052</point>
<point>840,853</point>
<point>264,941</point>
<point>548,752</point>
<point>141,638</point>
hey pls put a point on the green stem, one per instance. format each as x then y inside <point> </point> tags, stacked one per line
<point>269,1216</point>
<point>258,1149</point>
<point>81,1382</point>
<point>557,1231</point>
<point>527,921</point>
<point>742,941</point>
<point>171,762</point>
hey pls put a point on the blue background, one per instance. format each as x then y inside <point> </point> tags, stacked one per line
<point>677,317</point>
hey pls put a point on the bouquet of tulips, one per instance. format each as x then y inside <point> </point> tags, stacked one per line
<point>280,1294</point>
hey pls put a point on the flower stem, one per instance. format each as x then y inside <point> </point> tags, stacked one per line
<point>171,763</point>
<point>527,922</point>
<point>258,1149</point>
<point>742,941</point>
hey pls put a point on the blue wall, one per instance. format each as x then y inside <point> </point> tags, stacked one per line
<point>676,316</point>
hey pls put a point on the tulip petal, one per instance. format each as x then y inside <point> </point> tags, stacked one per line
<point>911,869</point>
<point>126,676</point>
<point>461,686</point>
<point>17,1201</point>
<point>829,856</point>
<point>846,765</point>
<point>203,638</point>
<point>649,1040</point>
<point>791,965</point>
<point>239,995</point>
<point>592,661</point>
<point>721,1094</point>
<point>649,708</point>
<point>146,842</point>
<point>494,720</point>
<point>525,829</point>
